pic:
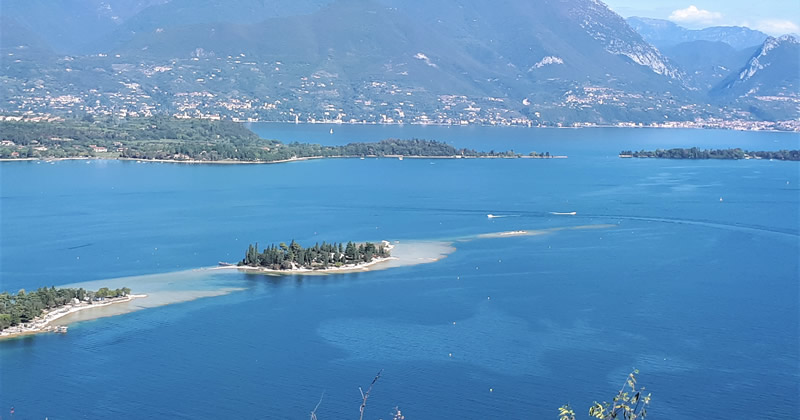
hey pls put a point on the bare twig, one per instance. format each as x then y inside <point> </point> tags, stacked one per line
<point>364,395</point>
<point>314,413</point>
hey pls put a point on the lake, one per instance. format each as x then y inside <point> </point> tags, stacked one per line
<point>690,275</point>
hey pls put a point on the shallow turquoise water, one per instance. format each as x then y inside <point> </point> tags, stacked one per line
<point>700,295</point>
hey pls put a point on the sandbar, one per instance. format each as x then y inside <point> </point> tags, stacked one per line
<point>167,288</point>
<point>534,232</point>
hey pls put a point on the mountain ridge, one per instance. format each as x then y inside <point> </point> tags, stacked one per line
<point>664,33</point>
<point>443,61</point>
<point>778,58</point>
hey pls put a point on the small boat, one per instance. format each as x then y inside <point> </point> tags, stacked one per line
<point>400,158</point>
<point>572,213</point>
<point>224,264</point>
<point>331,131</point>
<point>61,329</point>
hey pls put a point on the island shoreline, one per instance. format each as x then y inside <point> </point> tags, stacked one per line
<point>42,323</point>
<point>267,162</point>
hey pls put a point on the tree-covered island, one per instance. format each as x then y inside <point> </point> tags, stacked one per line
<point>25,307</point>
<point>319,257</point>
<point>191,140</point>
<point>725,154</point>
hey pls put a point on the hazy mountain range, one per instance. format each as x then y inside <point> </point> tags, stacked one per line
<point>663,33</point>
<point>448,61</point>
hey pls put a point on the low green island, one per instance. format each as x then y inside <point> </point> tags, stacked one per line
<point>724,154</point>
<point>32,312</point>
<point>192,140</point>
<point>325,256</point>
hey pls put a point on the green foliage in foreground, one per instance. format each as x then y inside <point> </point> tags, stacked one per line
<point>727,154</point>
<point>630,403</point>
<point>196,140</point>
<point>24,307</point>
<point>286,257</point>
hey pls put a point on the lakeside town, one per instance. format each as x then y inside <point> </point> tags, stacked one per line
<point>198,88</point>
<point>699,123</point>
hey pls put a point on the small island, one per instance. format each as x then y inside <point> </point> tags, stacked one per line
<point>724,154</point>
<point>320,257</point>
<point>33,312</point>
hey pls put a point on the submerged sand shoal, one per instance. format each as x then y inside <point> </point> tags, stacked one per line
<point>535,232</point>
<point>150,291</point>
<point>167,288</point>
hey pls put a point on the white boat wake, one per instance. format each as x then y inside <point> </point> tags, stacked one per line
<point>495,216</point>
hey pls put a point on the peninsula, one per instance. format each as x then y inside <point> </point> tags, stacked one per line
<point>33,312</point>
<point>167,139</point>
<point>325,257</point>
<point>724,154</point>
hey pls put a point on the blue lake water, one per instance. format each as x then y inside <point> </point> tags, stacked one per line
<point>701,295</point>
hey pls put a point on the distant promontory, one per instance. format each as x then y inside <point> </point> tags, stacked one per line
<point>198,141</point>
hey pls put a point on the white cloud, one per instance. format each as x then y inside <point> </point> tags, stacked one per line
<point>693,15</point>
<point>776,26</point>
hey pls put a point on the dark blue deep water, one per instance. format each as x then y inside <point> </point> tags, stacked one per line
<point>700,295</point>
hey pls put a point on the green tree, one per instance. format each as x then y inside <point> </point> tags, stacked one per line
<point>630,403</point>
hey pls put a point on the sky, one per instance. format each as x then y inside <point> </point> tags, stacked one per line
<point>775,17</point>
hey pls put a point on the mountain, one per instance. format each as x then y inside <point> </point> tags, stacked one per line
<point>17,41</point>
<point>539,61</point>
<point>429,61</point>
<point>663,34</point>
<point>171,13</point>
<point>774,70</point>
<point>490,47</point>
<point>71,26</point>
<point>707,63</point>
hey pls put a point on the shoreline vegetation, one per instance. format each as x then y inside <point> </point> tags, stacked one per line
<point>35,312</point>
<point>164,139</point>
<point>695,153</point>
<point>321,258</point>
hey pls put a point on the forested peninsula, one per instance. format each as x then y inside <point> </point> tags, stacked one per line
<point>283,257</point>
<point>192,140</point>
<point>43,305</point>
<point>725,154</point>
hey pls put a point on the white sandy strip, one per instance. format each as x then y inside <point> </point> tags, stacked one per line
<point>42,322</point>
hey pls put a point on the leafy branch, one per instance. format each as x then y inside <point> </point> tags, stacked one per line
<point>630,403</point>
